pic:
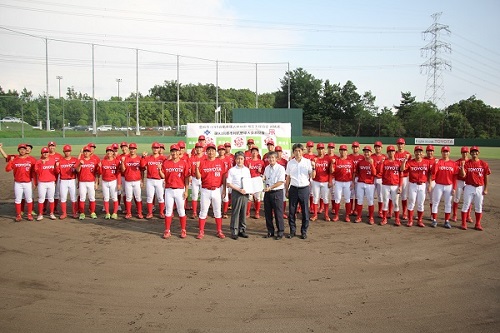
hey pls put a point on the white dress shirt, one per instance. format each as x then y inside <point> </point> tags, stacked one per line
<point>273,175</point>
<point>236,174</point>
<point>299,172</point>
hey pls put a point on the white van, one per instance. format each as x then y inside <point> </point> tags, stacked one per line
<point>105,128</point>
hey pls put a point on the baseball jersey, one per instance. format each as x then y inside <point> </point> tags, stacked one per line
<point>355,159</point>
<point>390,170</point>
<point>459,163</point>
<point>46,172</point>
<point>56,157</point>
<point>283,162</point>
<point>445,172</point>
<point>88,169</point>
<point>194,160</point>
<point>322,169</point>
<point>343,169</point>
<point>309,156</point>
<point>110,170</point>
<point>256,167</point>
<point>22,168</point>
<point>67,168</point>
<point>175,173</point>
<point>418,171</point>
<point>132,168</point>
<point>377,159</point>
<point>401,156</point>
<point>212,173</point>
<point>230,158</point>
<point>432,161</point>
<point>150,164</point>
<point>475,172</point>
<point>365,172</point>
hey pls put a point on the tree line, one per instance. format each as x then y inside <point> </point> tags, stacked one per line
<point>340,109</point>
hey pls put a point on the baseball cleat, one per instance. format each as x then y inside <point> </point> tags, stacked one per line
<point>447,225</point>
<point>18,218</point>
<point>200,235</point>
<point>30,217</point>
<point>93,215</point>
<point>107,216</point>
<point>82,216</point>
<point>221,235</point>
<point>166,234</point>
<point>52,216</point>
<point>434,223</point>
<point>183,233</point>
<point>114,216</point>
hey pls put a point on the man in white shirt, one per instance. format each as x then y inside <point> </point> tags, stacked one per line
<point>239,197</point>
<point>274,175</point>
<point>299,171</point>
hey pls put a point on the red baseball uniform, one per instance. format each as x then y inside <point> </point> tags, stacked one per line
<point>212,173</point>
<point>475,172</point>
<point>256,167</point>
<point>150,164</point>
<point>378,159</point>
<point>67,168</point>
<point>459,163</point>
<point>445,172</point>
<point>355,159</point>
<point>365,172</point>
<point>194,160</point>
<point>175,173</point>
<point>23,168</point>
<point>401,156</point>
<point>322,169</point>
<point>46,172</point>
<point>343,170</point>
<point>418,171</point>
<point>89,169</point>
<point>390,172</point>
<point>110,170</point>
<point>132,168</point>
<point>282,162</point>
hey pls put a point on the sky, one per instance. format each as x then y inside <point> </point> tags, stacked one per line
<point>378,45</point>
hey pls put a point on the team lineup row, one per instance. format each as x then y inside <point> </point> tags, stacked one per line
<point>355,177</point>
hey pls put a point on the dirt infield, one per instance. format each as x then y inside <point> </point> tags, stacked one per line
<point>119,276</point>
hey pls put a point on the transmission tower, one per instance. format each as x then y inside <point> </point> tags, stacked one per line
<point>434,66</point>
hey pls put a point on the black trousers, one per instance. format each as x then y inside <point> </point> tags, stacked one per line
<point>238,217</point>
<point>298,196</point>
<point>273,202</point>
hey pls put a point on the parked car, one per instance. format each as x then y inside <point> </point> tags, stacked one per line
<point>104,128</point>
<point>11,120</point>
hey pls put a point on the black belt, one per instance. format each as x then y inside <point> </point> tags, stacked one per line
<point>300,188</point>
<point>418,183</point>
<point>272,191</point>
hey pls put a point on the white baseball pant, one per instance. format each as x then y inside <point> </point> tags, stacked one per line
<point>57,189</point>
<point>174,195</point>
<point>213,197</point>
<point>416,195</point>
<point>342,189</point>
<point>46,191</point>
<point>404,189</point>
<point>364,190</point>
<point>109,190</point>
<point>378,189</point>
<point>445,192</point>
<point>353,191</point>
<point>133,189</point>
<point>459,191</point>
<point>390,192</point>
<point>472,193</point>
<point>154,186</point>
<point>68,186</point>
<point>320,191</point>
<point>20,189</point>
<point>195,188</point>
<point>122,191</point>
<point>86,188</point>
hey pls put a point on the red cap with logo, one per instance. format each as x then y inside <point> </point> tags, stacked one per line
<point>429,148</point>
<point>320,145</point>
<point>419,148</point>
<point>162,146</point>
<point>115,146</point>
<point>331,145</point>
<point>343,147</point>
<point>355,144</point>
<point>270,142</point>
<point>400,141</point>
<point>91,144</point>
<point>250,142</point>
<point>21,145</point>
<point>67,148</point>
<point>174,147</point>
<point>227,144</point>
<point>254,147</point>
<point>278,148</point>
<point>109,148</point>
<point>51,143</point>
<point>123,144</point>
<point>390,148</point>
<point>181,144</point>
<point>210,145</point>
<point>310,144</point>
<point>445,148</point>
<point>378,144</point>
<point>45,150</point>
<point>367,148</point>
<point>198,145</point>
<point>201,137</point>
<point>474,148</point>
<point>132,145</point>
<point>87,148</point>
<point>221,147</point>
<point>464,150</point>
<point>155,145</point>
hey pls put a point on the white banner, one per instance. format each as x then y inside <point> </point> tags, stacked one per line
<point>238,134</point>
<point>434,141</point>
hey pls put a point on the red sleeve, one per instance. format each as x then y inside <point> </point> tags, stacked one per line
<point>9,166</point>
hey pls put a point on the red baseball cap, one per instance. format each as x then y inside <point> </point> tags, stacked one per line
<point>320,145</point>
<point>123,144</point>
<point>174,147</point>
<point>419,148</point>
<point>429,147</point>
<point>155,145</point>
<point>181,144</point>
<point>391,148</point>
<point>250,142</point>
<point>210,145</point>
<point>221,147</point>
<point>254,147</point>
<point>474,148</point>
<point>21,145</point>
<point>162,146</point>
<point>270,142</point>
<point>355,144</point>
<point>343,147</point>
<point>227,144</point>
<point>109,148</point>
<point>331,145</point>
<point>87,148</point>
<point>132,146</point>
<point>400,140</point>
<point>278,148</point>
<point>198,145</point>
<point>115,146</point>
<point>67,148</point>
<point>310,144</point>
<point>91,144</point>
<point>51,143</point>
<point>377,143</point>
<point>464,149</point>
<point>201,137</point>
<point>445,148</point>
<point>44,150</point>
<point>367,148</point>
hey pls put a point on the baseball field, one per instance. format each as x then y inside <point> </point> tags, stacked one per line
<point>121,276</point>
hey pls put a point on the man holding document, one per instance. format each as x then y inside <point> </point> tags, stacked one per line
<point>274,175</point>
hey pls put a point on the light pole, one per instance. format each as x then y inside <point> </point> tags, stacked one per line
<point>58,77</point>
<point>118,82</point>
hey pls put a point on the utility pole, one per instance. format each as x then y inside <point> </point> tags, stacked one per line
<point>59,78</point>
<point>435,64</point>
<point>118,81</point>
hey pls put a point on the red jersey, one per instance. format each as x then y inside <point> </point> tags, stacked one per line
<point>175,173</point>
<point>475,172</point>
<point>401,156</point>
<point>377,159</point>
<point>256,167</point>
<point>418,172</point>
<point>67,168</point>
<point>46,171</point>
<point>184,157</point>
<point>248,155</point>
<point>459,163</point>
<point>390,170</point>
<point>366,172</point>
<point>88,169</point>
<point>356,159</point>
<point>310,156</point>
<point>132,168</point>
<point>151,164</point>
<point>227,163</point>
<point>23,169</point>
<point>283,162</point>
<point>212,173</point>
<point>56,157</point>
<point>193,161</point>
<point>432,160</point>
<point>322,169</point>
<point>266,159</point>
<point>110,170</point>
<point>230,159</point>
<point>445,172</point>
<point>343,169</point>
